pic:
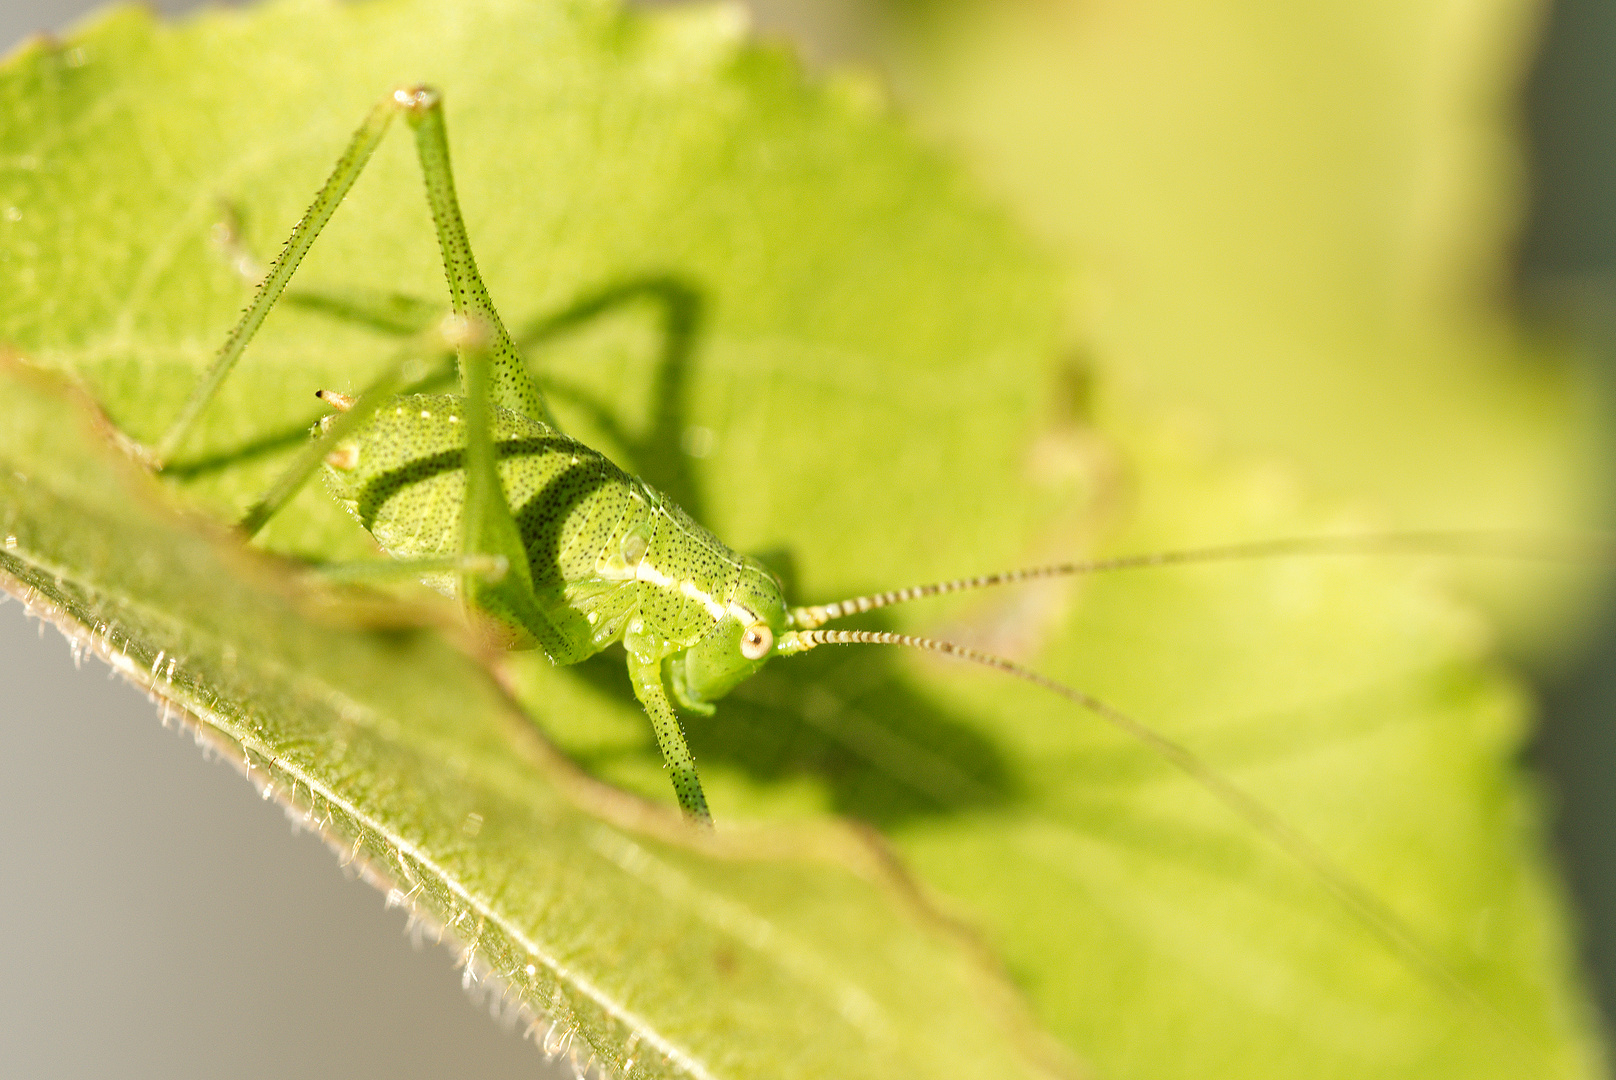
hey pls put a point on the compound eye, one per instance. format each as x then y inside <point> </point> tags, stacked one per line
<point>757,641</point>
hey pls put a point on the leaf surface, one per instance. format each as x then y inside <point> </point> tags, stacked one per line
<point>762,297</point>
<point>620,936</point>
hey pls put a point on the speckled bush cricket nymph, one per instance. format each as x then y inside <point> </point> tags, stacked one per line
<point>480,494</point>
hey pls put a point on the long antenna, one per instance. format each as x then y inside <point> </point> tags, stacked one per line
<point>1503,544</point>
<point>1357,898</point>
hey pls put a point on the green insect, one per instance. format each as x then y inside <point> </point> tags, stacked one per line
<point>480,494</point>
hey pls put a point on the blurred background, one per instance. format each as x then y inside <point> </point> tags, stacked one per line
<point>1568,247</point>
<point>162,920</point>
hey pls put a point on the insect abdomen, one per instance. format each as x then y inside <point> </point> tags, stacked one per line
<point>402,477</point>
<point>597,539</point>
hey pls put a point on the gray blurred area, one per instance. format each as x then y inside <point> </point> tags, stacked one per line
<point>161,920</point>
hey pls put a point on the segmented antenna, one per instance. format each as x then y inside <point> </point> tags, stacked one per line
<point>1357,898</point>
<point>1488,544</point>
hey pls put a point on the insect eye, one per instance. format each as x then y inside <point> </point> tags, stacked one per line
<point>757,641</point>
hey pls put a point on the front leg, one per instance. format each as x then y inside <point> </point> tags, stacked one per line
<point>646,675</point>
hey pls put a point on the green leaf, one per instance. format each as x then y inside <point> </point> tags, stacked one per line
<point>634,937</point>
<point>761,296</point>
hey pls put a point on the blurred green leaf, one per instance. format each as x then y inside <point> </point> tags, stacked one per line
<point>761,296</point>
<point>1294,222</point>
